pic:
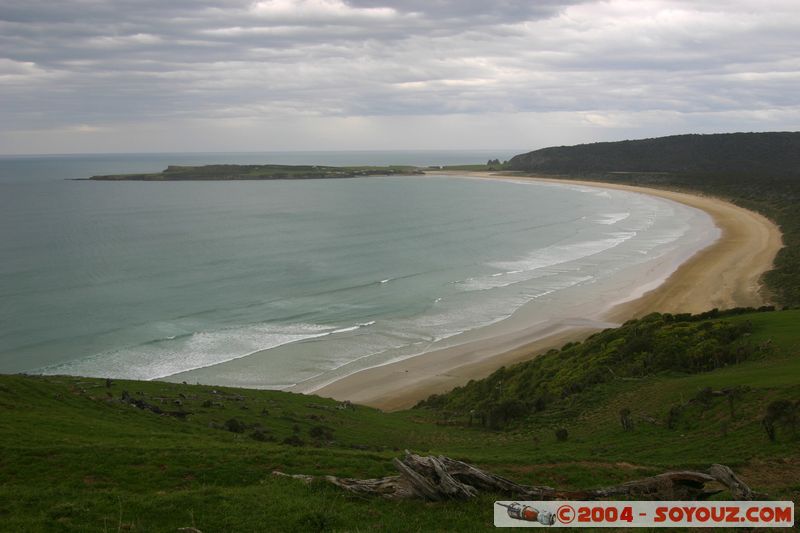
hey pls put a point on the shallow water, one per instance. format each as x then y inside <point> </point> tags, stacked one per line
<point>150,280</point>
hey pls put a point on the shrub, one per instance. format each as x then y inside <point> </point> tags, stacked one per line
<point>781,412</point>
<point>261,436</point>
<point>234,426</point>
<point>294,440</point>
<point>321,433</point>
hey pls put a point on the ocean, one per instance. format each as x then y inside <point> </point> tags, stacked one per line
<point>274,283</point>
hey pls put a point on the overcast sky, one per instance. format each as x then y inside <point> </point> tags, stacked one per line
<point>236,75</point>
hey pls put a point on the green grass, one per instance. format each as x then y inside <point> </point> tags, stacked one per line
<point>73,457</point>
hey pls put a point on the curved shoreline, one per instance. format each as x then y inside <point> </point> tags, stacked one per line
<point>724,274</point>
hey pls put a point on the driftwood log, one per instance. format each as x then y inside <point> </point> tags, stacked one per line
<point>441,478</point>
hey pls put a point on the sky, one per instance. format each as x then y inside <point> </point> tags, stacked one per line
<point>95,76</point>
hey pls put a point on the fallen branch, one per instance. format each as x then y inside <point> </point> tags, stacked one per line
<point>442,478</point>
<point>738,488</point>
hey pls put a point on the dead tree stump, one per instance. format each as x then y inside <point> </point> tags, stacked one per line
<point>442,478</point>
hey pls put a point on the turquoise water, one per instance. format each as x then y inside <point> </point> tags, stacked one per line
<point>157,280</point>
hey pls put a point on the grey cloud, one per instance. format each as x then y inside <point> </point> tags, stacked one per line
<point>476,11</point>
<point>108,63</point>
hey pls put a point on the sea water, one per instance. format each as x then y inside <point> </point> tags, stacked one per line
<point>273,283</point>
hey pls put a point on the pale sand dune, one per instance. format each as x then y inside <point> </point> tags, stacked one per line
<point>725,274</point>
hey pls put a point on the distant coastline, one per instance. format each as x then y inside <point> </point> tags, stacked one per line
<point>259,172</point>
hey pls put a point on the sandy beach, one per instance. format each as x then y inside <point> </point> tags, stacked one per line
<point>723,275</point>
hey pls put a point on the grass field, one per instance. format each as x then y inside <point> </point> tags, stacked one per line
<point>75,457</point>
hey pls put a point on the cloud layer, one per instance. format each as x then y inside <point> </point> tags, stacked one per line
<point>140,75</point>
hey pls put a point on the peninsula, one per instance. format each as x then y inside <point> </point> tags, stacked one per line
<point>260,172</point>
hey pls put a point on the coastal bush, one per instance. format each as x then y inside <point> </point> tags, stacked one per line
<point>640,348</point>
<point>261,436</point>
<point>234,426</point>
<point>504,411</point>
<point>321,433</point>
<point>783,413</point>
<point>294,440</point>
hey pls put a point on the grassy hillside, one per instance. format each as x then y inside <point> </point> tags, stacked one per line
<point>79,454</point>
<point>759,171</point>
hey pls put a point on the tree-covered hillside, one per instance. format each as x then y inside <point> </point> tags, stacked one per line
<point>763,154</point>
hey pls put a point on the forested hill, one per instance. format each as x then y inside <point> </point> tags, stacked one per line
<point>766,154</point>
<point>759,171</point>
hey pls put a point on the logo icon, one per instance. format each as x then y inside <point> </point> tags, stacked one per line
<point>565,514</point>
<point>517,511</point>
